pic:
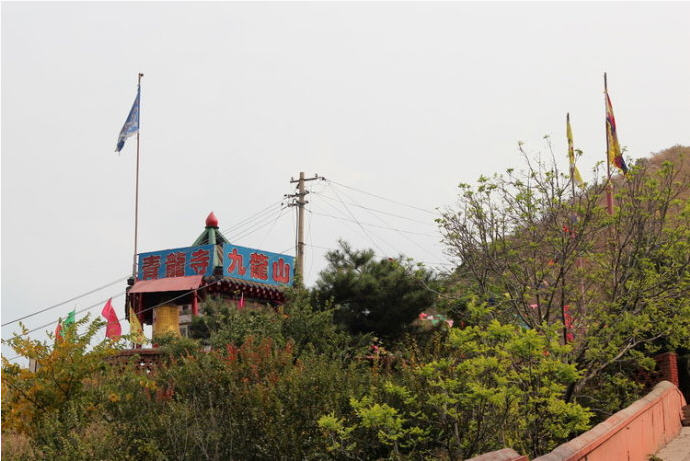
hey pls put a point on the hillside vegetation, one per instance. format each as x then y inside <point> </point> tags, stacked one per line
<point>548,324</point>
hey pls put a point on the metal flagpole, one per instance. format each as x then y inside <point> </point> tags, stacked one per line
<point>136,195</point>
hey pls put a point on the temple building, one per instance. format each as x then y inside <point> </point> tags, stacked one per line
<point>172,285</point>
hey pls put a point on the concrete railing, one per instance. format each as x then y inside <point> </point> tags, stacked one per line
<point>631,434</point>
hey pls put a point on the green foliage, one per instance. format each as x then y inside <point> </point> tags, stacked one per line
<point>528,247</point>
<point>302,381</point>
<point>499,385</point>
<point>249,402</point>
<point>381,297</point>
<point>314,330</point>
<point>222,323</point>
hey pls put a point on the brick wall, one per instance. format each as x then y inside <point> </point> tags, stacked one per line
<point>667,364</point>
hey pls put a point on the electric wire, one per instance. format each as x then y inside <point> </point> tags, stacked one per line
<point>273,225</point>
<point>120,318</point>
<point>100,303</point>
<point>372,225</point>
<point>382,198</point>
<point>400,232</point>
<point>431,264</point>
<point>426,223</point>
<point>248,220</point>
<point>65,302</point>
<point>358,223</point>
<point>267,220</point>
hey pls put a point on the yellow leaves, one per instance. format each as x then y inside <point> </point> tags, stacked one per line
<point>148,384</point>
<point>66,371</point>
<point>113,397</point>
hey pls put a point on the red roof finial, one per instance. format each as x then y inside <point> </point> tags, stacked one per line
<point>211,220</point>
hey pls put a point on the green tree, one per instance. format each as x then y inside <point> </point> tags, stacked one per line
<point>532,250</point>
<point>497,385</point>
<point>378,296</point>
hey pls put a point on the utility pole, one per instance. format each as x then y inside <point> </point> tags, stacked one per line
<point>299,201</point>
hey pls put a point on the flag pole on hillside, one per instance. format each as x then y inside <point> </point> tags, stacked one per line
<point>609,186</point>
<point>575,176</point>
<point>613,148</point>
<point>130,127</point>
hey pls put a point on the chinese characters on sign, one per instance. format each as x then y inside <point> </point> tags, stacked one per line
<point>256,265</point>
<point>177,262</point>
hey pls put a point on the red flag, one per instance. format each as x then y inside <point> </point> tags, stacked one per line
<point>113,329</point>
<point>58,331</point>
<point>241,301</point>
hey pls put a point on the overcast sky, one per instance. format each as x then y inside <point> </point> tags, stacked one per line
<point>403,101</point>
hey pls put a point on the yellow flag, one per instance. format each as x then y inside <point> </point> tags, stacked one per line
<point>615,157</point>
<point>574,172</point>
<point>135,328</point>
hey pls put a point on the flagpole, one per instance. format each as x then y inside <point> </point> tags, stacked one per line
<point>609,185</point>
<point>571,161</point>
<point>578,261</point>
<point>136,195</point>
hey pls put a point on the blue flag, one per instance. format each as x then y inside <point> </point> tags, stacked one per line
<point>131,125</point>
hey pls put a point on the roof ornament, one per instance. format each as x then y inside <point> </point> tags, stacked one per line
<point>212,221</point>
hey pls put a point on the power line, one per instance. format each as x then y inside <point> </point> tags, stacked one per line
<point>273,225</point>
<point>67,301</point>
<point>382,198</point>
<point>378,211</point>
<point>337,210</point>
<point>100,303</point>
<point>251,219</point>
<point>358,223</point>
<point>447,264</point>
<point>401,233</point>
<point>119,319</point>
<point>372,225</point>
<point>260,225</point>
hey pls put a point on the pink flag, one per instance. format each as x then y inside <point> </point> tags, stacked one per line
<point>58,331</point>
<point>241,301</point>
<point>113,328</point>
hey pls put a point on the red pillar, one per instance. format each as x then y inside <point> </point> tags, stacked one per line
<point>667,363</point>
<point>195,304</point>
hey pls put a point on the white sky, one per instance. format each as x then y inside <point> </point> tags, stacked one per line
<point>400,100</point>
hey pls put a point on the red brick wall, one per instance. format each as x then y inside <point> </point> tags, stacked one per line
<point>667,363</point>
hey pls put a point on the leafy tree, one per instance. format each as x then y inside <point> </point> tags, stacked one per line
<point>377,296</point>
<point>499,385</point>
<point>309,329</point>
<point>63,370</point>
<point>250,401</point>
<point>542,257</point>
<point>223,323</point>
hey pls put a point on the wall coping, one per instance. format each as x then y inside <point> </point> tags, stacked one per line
<point>582,445</point>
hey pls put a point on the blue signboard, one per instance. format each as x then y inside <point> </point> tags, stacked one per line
<point>257,265</point>
<point>178,262</point>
